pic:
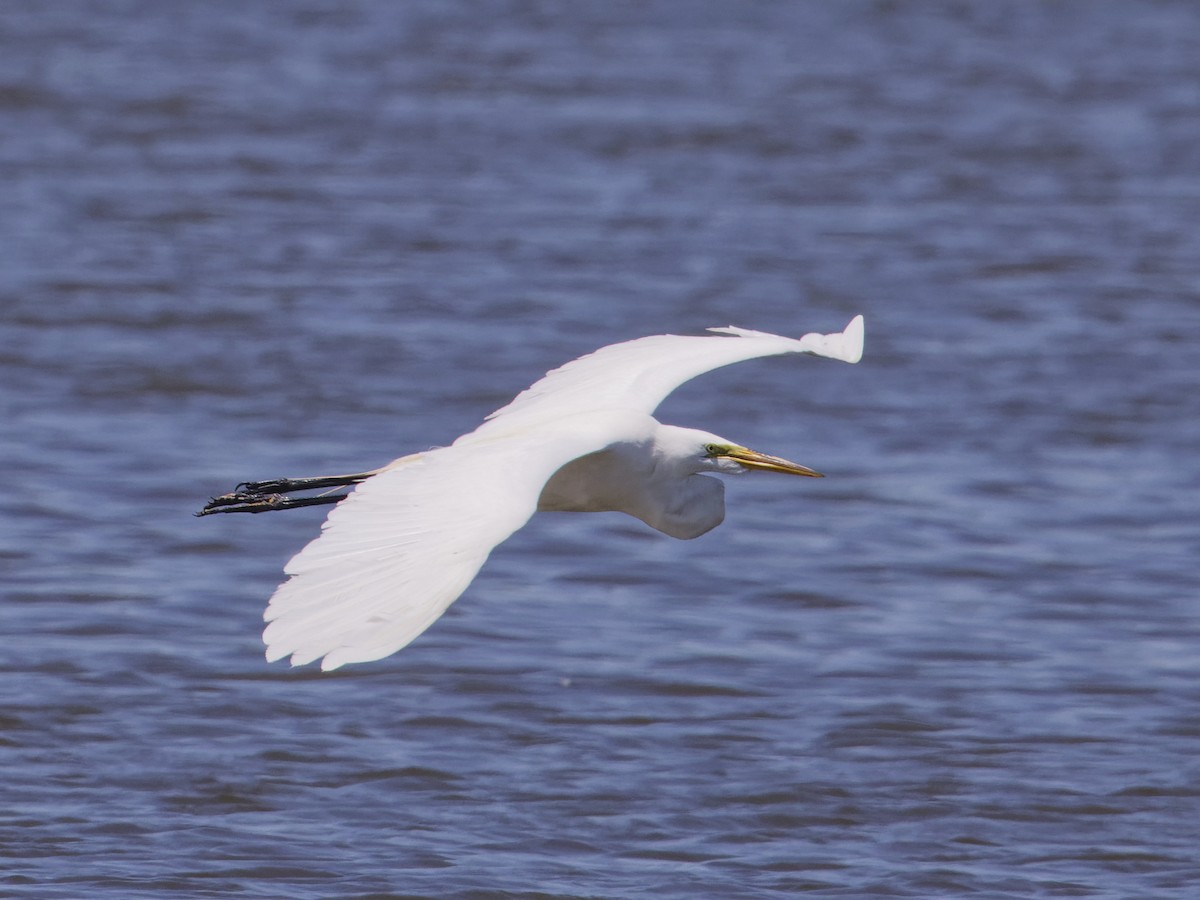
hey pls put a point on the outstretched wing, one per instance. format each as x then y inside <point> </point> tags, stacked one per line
<point>639,374</point>
<point>405,544</point>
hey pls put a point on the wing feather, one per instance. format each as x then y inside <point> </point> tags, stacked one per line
<point>406,543</point>
<point>639,374</point>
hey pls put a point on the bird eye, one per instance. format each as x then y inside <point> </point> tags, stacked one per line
<point>712,450</point>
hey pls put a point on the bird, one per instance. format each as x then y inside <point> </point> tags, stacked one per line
<point>408,538</point>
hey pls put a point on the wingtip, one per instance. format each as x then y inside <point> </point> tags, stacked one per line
<point>852,340</point>
<point>846,345</point>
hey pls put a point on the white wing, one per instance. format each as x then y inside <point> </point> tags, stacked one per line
<point>639,374</point>
<point>405,544</point>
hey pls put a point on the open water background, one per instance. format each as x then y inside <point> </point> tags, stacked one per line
<point>246,240</point>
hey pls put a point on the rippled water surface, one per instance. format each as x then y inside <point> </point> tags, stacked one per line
<point>248,240</point>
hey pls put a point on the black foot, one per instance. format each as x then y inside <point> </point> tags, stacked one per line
<point>268,496</point>
<point>247,502</point>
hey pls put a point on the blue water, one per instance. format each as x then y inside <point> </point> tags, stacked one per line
<point>248,240</point>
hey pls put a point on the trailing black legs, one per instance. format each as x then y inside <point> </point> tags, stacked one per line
<point>268,496</point>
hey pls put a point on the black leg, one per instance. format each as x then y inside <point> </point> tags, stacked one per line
<point>260,503</point>
<point>268,496</point>
<point>278,485</point>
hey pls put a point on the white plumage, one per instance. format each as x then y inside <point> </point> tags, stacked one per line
<point>411,536</point>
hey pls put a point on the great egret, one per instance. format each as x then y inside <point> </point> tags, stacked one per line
<point>411,536</point>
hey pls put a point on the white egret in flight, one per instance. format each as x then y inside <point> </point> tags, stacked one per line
<point>410,537</point>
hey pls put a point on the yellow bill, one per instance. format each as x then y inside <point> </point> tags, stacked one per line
<point>755,460</point>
